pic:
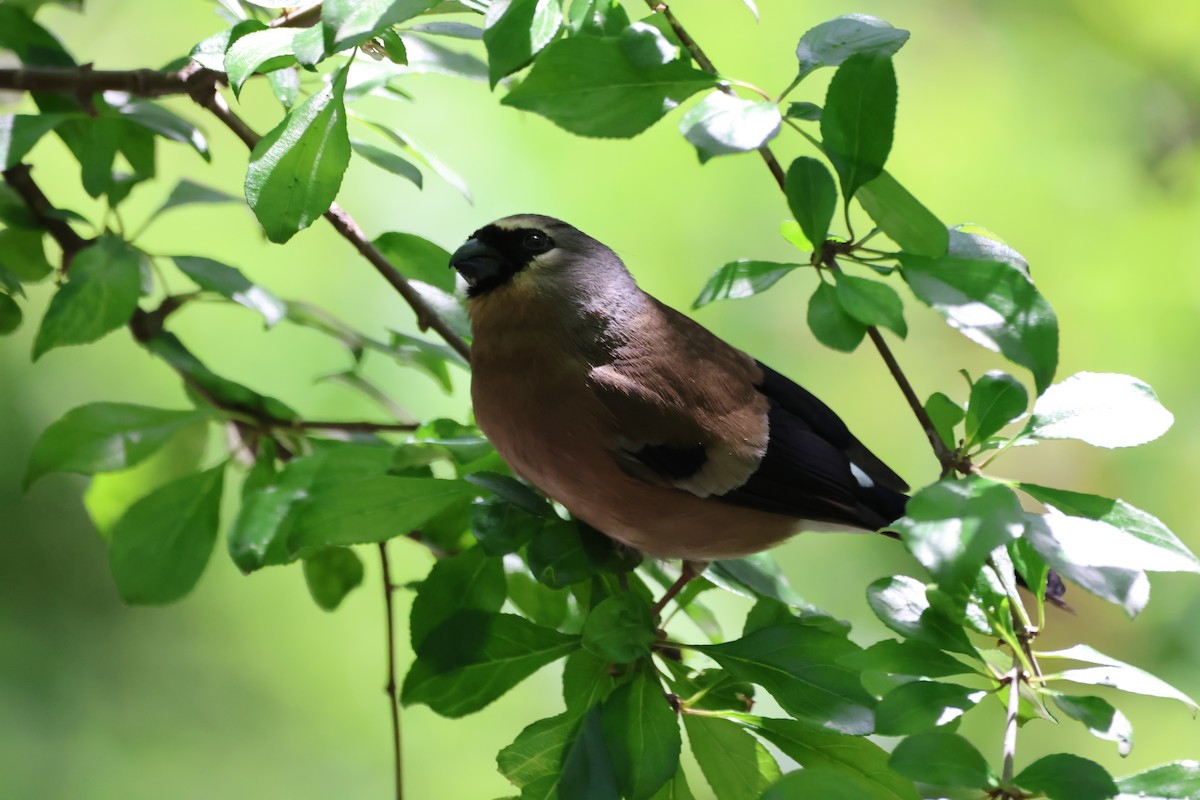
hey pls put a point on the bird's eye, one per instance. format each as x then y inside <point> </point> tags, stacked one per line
<point>537,242</point>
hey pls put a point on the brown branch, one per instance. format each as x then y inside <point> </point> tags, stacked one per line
<point>393,700</point>
<point>298,18</point>
<point>86,82</point>
<point>944,456</point>
<point>20,181</point>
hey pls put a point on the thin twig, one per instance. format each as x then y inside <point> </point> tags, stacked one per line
<point>20,180</point>
<point>298,18</point>
<point>1010,724</point>
<point>390,689</point>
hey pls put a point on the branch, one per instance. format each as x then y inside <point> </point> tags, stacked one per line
<point>298,18</point>
<point>20,181</point>
<point>390,688</point>
<point>944,456</point>
<point>85,82</point>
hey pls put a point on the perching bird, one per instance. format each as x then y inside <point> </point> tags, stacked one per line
<point>640,421</point>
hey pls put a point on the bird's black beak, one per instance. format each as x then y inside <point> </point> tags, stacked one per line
<point>477,262</point>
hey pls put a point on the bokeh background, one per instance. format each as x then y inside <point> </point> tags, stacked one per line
<point>1070,128</point>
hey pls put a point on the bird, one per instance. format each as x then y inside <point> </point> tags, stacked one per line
<point>640,421</point>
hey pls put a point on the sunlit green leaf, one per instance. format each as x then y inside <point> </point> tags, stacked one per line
<point>832,42</point>
<point>1177,781</point>
<point>945,415</point>
<point>347,23</point>
<point>213,276</point>
<point>741,278</point>
<point>1102,409</point>
<point>901,604</point>
<point>724,124</point>
<point>1104,721</point>
<point>736,765</point>
<point>1114,673</point>
<point>917,706</point>
<point>257,49</point>
<point>517,30</point>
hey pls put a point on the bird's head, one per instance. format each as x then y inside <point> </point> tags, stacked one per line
<point>530,252</point>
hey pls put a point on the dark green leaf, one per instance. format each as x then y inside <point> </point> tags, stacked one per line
<point>10,315</point>
<point>1177,781</point>
<point>942,759</point>
<point>856,761</point>
<point>620,629</point>
<point>104,437</point>
<point>428,159</point>
<point>994,305</point>
<point>1114,673</point>
<point>1101,408</point>
<point>588,86</point>
<point>537,752</point>
<point>675,789</point>
<point>213,276</point>
<point>871,303</point>
<point>385,159</point>
<point>736,765</point>
<point>997,398</point>
<point>1121,515</point>
<point>258,536</point>
<point>429,56</point>
<point>741,278</point>
<point>20,132</point>
<point>296,170</point>
<point>186,193</point>
<point>475,657</point>
<point>810,112</point>
<point>1069,546</point>
<point>23,254</point>
<point>901,604</point>
<point>557,555</point>
<point>916,706</point>
<point>253,47</point>
<point>587,772</point>
<point>902,217</point>
<point>351,22</point>
<point>723,124</point>
<point>514,491</point>
<point>587,680</point>
<point>30,42</point>
<point>1063,776</point>
<point>502,527</point>
<point>1104,721</point>
<point>830,323</point>
<point>858,118</point>
<point>100,296</point>
<point>469,580</point>
<point>945,414</point>
<point>832,42</point>
<point>755,576</point>
<point>160,547</point>
<point>539,603</point>
<point>823,783</point>
<point>331,574</point>
<point>812,197</point>
<point>418,258</point>
<point>455,30</point>
<point>641,734</point>
<point>160,121</point>
<point>910,657</point>
<point>517,30</point>
<point>800,666</point>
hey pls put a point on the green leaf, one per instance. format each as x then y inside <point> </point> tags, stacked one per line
<point>296,170</point>
<point>857,762</point>
<point>213,276</point>
<point>736,765</point>
<point>1063,776</point>
<point>587,85</point>
<point>1114,673</point>
<point>253,47</point>
<point>1101,719</point>
<point>790,230</point>
<point>539,603</point>
<point>942,759</point>
<point>830,323</point>
<point>1121,515</point>
<point>285,85</point>
<point>469,580</point>
<point>160,547</point>
<point>902,217</point>
<point>675,789</point>
<point>188,192</point>
<point>587,680</point>
<point>755,576</point>
<point>475,657</point>
<point>23,254</point>
<point>823,783</point>
<point>348,23</point>
<point>976,243</point>
<point>517,30</point>
<point>258,536</point>
<point>620,629</point>
<point>331,574</point>
<point>502,527</point>
<point>104,437</point>
<point>741,278</point>
<point>800,665</point>
<point>514,491</point>
<point>160,121</point>
<point>901,604</point>
<point>10,315</point>
<point>1068,545</point>
<point>997,398</point>
<point>831,43</point>
<point>858,118</point>
<point>100,296</point>
<point>587,772</point>
<point>909,657</point>
<point>564,553</point>
<point>914,707</point>
<point>810,112</point>
<point>871,303</point>
<point>537,752</point>
<point>724,124</point>
<point>20,132</point>
<point>1177,781</point>
<point>641,734</point>
<point>811,196</point>
<point>993,304</point>
<point>386,159</point>
<point>953,525</point>
<point>418,258</point>
<point>945,415</point>
<point>1101,408</point>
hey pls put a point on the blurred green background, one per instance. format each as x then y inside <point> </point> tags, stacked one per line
<point>1070,128</point>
